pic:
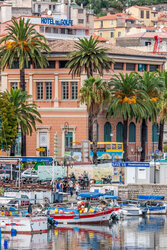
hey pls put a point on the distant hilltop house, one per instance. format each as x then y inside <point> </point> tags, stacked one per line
<point>113,26</point>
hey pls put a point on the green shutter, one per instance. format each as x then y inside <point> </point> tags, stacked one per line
<point>107,132</point>
<point>119,131</point>
<point>97,132</point>
<point>141,133</point>
<point>155,132</point>
<point>132,132</point>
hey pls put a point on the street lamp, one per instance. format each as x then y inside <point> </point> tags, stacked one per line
<point>66,163</point>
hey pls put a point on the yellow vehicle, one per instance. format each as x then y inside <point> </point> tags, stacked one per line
<point>109,150</point>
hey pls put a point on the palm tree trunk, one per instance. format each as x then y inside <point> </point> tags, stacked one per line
<point>90,128</point>
<point>125,132</point>
<point>22,80</point>
<point>94,146</point>
<point>23,87</point>
<point>12,150</point>
<point>161,133</point>
<point>143,140</point>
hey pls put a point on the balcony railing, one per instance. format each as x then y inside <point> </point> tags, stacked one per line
<point>63,36</point>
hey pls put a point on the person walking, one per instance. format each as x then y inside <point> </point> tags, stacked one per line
<point>77,188</point>
<point>61,191</point>
<point>71,186</point>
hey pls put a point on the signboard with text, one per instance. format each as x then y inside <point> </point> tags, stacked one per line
<point>51,21</point>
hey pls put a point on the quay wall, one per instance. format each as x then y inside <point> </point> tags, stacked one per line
<point>130,191</point>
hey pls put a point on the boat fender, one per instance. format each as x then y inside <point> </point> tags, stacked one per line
<point>2,213</point>
<point>56,210</point>
<point>3,224</point>
<point>91,210</point>
<point>13,232</point>
<point>10,214</point>
<point>76,217</point>
<point>5,244</point>
<point>56,222</point>
<point>61,212</point>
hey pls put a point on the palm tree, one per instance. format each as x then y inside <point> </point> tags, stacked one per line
<point>95,94</point>
<point>26,113</point>
<point>126,102</point>
<point>151,83</point>
<point>90,57</point>
<point>23,45</point>
<point>162,106</point>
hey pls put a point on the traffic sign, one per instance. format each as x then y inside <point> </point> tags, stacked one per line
<point>157,151</point>
<point>130,164</point>
<point>40,149</point>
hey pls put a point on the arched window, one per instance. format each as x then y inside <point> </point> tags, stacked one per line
<point>141,133</point>
<point>107,131</point>
<point>97,132</point>
<point>132,132</point>
<point>155,132</point>
<point>119,131</point>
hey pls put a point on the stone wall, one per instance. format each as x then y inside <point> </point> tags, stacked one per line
<point>146,189</point>
<point>131,191</point>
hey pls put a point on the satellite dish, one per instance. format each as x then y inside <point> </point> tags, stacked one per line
<point>154,8</point>
<point>49,12</point>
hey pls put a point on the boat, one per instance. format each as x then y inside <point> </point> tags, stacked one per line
<point>153,204</point>
<point>23,225</point>
<point>84,218</point>
<point>132,210</point>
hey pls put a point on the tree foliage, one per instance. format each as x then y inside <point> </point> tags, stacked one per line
<point>26,113</point>
<point>8,128</point>
<point>90,57</point>
<point>95,94</point>
<point>23,44</point>
<point>101,6</point>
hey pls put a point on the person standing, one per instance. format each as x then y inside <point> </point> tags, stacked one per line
<point>71,186</point>
<point>56,196</point>
<point>61,191</point>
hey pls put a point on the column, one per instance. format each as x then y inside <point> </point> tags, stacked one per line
<point>56,103</point>
<point>4,78</point>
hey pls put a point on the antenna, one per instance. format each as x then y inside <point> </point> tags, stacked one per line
<point>49,12</point>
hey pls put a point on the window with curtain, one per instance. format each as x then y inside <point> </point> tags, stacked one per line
<point>155,132</point>
<point>48,90</point>
<point>132,132</point>
<point>119,132</point>
<point>39,90</point>
<point>107,132</point>
<point>141,133</point>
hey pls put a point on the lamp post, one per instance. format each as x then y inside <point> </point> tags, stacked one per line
<point>66,163</point>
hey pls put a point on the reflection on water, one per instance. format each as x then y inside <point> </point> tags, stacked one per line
<point>132,233</point>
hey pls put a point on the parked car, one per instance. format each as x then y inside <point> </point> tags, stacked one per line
<point>4,175</point>
<point>29,174</point>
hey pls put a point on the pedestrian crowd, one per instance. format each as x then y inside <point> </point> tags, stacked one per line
<point>61,187</point>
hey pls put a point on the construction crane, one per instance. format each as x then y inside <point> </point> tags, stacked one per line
<point>157,41</point>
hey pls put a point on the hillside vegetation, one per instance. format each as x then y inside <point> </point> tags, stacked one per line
<point>100,7</point>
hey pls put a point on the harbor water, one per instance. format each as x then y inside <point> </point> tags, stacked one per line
<point>131,233</point>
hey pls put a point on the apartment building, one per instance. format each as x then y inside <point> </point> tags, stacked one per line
<point>112,26</point>
<point>66,10</point>
<point>54,29</point>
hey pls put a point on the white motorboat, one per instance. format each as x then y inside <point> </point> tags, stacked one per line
<point>23,225</point>
<point>132,211</point>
